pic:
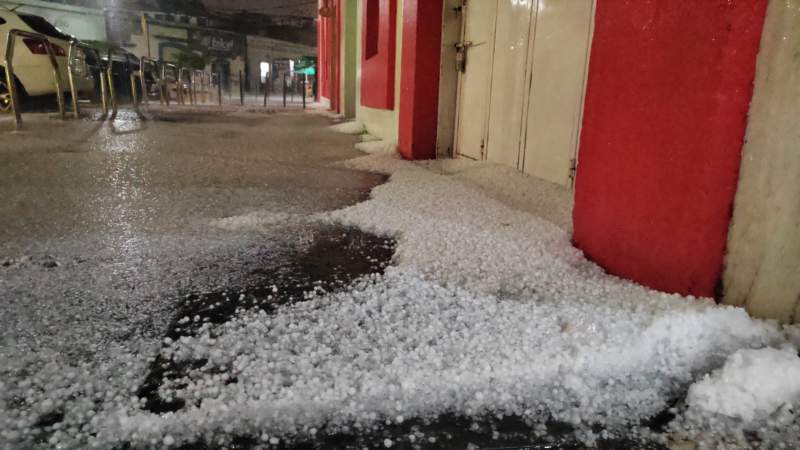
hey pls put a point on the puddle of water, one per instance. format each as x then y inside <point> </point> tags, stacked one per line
<point>205,116</point>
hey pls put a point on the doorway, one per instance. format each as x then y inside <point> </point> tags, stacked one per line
<point>475,66</point>
<point>523,72</point>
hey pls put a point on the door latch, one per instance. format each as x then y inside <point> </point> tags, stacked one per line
<point>461,55</point>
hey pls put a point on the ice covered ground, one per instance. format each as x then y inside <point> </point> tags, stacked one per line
<point>487,311</point>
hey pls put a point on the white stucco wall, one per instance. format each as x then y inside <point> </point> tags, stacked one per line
<point>763,261</point>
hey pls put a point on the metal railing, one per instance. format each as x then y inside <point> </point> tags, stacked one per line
<point>156,73</point>
<point>132,75</point>
<point>192,86</point>
<point>112,91</point>
<point>100,69</point>
<point>175,74</point>
<point>200,80</point>
<point>134,91</point>
<point>11,43</point>
<point>183,88</point>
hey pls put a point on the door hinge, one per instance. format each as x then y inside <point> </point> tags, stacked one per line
<point>573,168</point>
<point>483,148</point>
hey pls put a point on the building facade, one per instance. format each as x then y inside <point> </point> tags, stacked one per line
<point>671,122</point>
<point>144,30</point>
<point>266,56</point>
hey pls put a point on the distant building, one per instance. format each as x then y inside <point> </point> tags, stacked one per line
<point>232,43</point>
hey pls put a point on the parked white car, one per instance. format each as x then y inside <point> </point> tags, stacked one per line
<point>32,67</point>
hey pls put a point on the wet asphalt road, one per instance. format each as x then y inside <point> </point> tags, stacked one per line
<point>112,222</point>
<point>110,231</point>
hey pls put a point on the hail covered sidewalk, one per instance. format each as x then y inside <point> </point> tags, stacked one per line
<point>472,323</point>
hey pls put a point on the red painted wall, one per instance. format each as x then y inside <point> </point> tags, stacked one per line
<point>419,84</point>
<point>336,89</point>
<point>323,53</point>
<point>319,58</point>
<point>669,88</point>
<point>335,34</point>
<point>378,56</point>
<point>328,53</point>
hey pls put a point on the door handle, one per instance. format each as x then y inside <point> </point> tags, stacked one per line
<point>461,54</point>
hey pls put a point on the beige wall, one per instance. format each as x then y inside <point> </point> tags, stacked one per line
<point>349,51</point>
<point>156,33</point>
<point>763,260</point>
<point>379,122</point>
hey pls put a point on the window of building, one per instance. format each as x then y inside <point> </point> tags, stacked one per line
<point>265,71</point>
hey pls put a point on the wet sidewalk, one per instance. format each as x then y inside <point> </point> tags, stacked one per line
<point>110,232</point>
<point>119,239</point>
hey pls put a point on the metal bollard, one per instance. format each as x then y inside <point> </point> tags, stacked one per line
<point>134,93</point>
<point>206,88</point>
<point>104,91</point>
<point>143,79</point>
<point>190,88</point>
<point>164,85</point>
<point>241,89</point>
<point>161,91</point>
<point>219,88</point>
<point>284,90</point>
<point>304,92</point>
<point>73,91</point>
<point>143,83</point>
<point>179,87</point>
<point>112,92</point>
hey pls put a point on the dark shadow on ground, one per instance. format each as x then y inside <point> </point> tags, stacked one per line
<point>336,257</point>
<point>445,433</point>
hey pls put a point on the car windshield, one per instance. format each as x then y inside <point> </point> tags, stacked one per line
<point>40,25</point>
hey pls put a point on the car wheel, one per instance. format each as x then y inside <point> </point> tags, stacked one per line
<point>5,97</point>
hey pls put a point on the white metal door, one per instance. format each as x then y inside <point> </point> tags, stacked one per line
<point>509,88</point>
<point>475,79</point>
<point>559,61</point>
